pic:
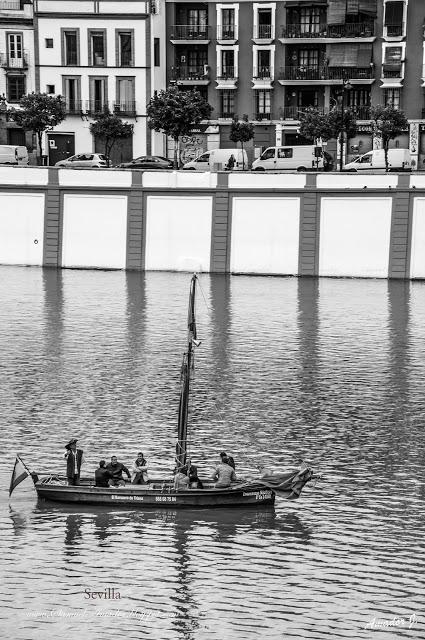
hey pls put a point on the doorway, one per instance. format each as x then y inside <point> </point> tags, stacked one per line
<point>60,146</point>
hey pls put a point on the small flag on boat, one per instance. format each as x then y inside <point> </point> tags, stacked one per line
<point>20,472</point>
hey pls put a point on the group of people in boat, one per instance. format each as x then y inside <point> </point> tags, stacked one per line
<point>111,474</point>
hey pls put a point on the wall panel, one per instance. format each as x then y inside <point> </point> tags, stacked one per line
<point>265,235</point>
<point>21,228</point>
<point>178,233</point>
<point>417,256</point>
<point>94,231</point>
<point>355,237</point>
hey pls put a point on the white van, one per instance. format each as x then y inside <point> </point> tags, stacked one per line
<point>11,154</point>
<point>220,158</point>
<point>398,160</point>
<point>298,157</point>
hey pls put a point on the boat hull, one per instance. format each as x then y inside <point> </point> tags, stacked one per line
<point>143,498</point>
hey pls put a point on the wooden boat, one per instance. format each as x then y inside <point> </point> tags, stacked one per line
<point>161,492</point>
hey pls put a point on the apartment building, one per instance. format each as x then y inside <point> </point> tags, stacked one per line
<point>272,60</point>
<point>17,71</point>
<point>100,54</point>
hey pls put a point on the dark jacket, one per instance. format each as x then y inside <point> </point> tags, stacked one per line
<point>70,462</point>
<point>116,470</point>
<point>102,476</point>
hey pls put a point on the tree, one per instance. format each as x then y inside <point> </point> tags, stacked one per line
<point>39,112</point>
<point>110,128</point>
<point>241,131</point>
<point>176,113</point>
<point>389,123</point>
<point>315,125</point>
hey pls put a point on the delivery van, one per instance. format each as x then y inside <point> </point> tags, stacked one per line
<point>300,158</point>
<point>398,160</point>
<point>11,154</point>
<point>219,158</point>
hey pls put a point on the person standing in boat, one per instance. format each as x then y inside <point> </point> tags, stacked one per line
<point>181,480</point>
<point>139,470</point>
<point>116,468</point>
<point>74,459</point>
<point>224,474</point>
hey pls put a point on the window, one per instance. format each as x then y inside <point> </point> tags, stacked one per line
<point>263,59</point>
<point>70,45</point>
<point>227,104</point>
<point>285,153</point>
<point>308,57</point>
<point>228,63</point>
<point>16,55</point>
<point>97,48</point>
<point>49,43</point>
<point>125,96</point>
<point>310,20</point>
<point>392,97</point>
<point>156,53</point>
<point>268,154</point>
<point>71,91</point>
<point>264,29</point>
<point>15,88</point>
<point>228,24</point>
<point>263,102</point>
<point>98,94</point>
<point>50,88</point>
<point>125,49</point>
<point>393,55</point>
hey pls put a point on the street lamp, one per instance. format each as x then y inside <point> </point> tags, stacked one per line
<point>346,86</point>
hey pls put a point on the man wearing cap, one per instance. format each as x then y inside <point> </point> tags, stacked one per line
<point>74,459</point>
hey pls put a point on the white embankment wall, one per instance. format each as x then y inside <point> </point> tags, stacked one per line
<point>282,224</point>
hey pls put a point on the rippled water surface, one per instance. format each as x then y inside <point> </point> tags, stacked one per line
<point>331,372</point>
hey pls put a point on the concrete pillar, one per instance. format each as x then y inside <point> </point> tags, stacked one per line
<point>220,231</point>
<point>308,252</point>
<point>398,266</point>
<point>52,221</point>
<point>136,225</point>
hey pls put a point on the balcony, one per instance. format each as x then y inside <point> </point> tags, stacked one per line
<point>188,33</point>
<point>95,107</point>
<point>7,62</point>
<point>124,108</point>
<point>227,33</point>
<point>394,30</point>
<point>258,116</point>
<point>294,113</point>
<point>392,70</point>
<point>329,33</point>
<point>191,75</point>
<point>263,73</point>
<point>73,107</point>
<point>326,75</point>
<point>263,32</point>
<point>10,5</point>
<point>226,115</point>
<point>227,78</point>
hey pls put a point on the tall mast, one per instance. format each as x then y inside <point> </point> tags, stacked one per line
<point>187,368</point>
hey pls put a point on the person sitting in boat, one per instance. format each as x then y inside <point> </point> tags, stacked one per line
<point>224,474</point>
<point>74,459</point>
<point>102,475</point>
<point>181,480</point>
<point>192,472</point>
<point>116,468</point>
<point>139,470</point>
<point>230,460</point>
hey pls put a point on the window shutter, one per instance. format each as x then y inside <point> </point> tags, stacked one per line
<point>393,13</point>
<point>336,11</point>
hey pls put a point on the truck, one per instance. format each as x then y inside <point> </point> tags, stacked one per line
<point>398,160</point>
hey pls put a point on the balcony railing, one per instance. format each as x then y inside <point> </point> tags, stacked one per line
<point>7,62</point>
<point>10,5</point>
<point>73,107</point>
<point>353,30</point>
<point>325,73</point>
<point>96,106</point>
<point>294,113</point>
<point>395,30</point>
<point>190,32</point>
<point>262,73</point>
<point>394,70</point>
<point>124,108</point>
<point>227,32</point>
<point>227,114</point>
<point>259,115</point>
<point>263,31</point>
<point>227,73</point>
<point>196,72</point>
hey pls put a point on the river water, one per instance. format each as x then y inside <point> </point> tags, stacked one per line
<point>330,372</point>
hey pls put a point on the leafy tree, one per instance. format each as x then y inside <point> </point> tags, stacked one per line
<point>110,128</point>
<point>389,123</point>
<point>241,131</point>
<point>39,112</point>
<point>176,113</point>
<point>314,125</point>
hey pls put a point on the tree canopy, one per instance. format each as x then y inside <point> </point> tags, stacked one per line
<point>176,112</point>
<point>109,128</point>
<point>39,112</point>
<point>241,131</point>
<point>388,123</point>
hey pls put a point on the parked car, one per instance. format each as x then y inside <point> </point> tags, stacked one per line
<point>12,154</point>
<point>398,160</point>
<point>87,160</point>
<point>299,157</point>
<point>148,162</point>
<point>219,158</point>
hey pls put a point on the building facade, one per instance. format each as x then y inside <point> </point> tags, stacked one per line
<point>272,60</point>
<point>100,55</point>
<point>17,66</point>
